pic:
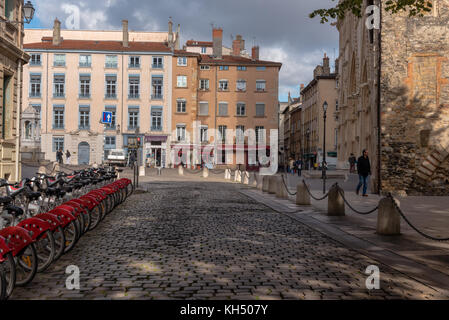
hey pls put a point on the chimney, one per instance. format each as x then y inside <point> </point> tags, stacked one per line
<point>177,37</point>
<point>57,32</point>
<point>237,45</point>
<point>255,53</point>
<point>242,42</point>
<point>170,32</point>
<point>217,37</point>
<point>326,67</point>
<point>125,42</point>
<point>301,87</point>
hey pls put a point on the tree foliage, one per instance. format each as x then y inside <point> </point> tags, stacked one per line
<point>413,7</point>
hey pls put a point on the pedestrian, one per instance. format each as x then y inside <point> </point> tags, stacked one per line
<point>364,170</point>
<point>132,159</point>
<point>292,165</point>
<point>59,155</point>
<point>299,166</point>
<point>68,155</point>
<point>352,161</point>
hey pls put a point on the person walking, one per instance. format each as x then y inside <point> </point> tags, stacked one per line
<point>292,165</point>
<point>299,166</point>
<point>68,155</point>
<point>132,159</point>
<point>352,161</point>
<point>59,155</point>
<point>364,170</point>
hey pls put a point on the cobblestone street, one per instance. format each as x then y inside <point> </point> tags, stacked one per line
<point>206,240</point>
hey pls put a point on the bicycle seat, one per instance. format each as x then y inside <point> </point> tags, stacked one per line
<point>32,195</point>
<point>5,200</point>
<point>14,210</point>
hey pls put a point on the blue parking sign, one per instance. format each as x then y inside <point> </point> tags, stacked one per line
<point>107,117</point>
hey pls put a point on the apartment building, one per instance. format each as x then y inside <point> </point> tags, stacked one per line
<point>12,58</point>
<point>74,76</point>
<point>227,93</point>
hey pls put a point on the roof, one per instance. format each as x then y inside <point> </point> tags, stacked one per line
<point>95,45</point>
<point>314,81</point>
<point>194,43</point>
<point>184,53</point>
<point>237,60</point>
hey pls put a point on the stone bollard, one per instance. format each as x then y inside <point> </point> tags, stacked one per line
<point>42,169</point>
<point>180,170</point>
<point>56,167</point>
<point>302,196</point>
<point>388,218</point>
<point>272,184</point>
<point>259,179</point>
<point>238,176</point>
<point>141,171</point>
<point>335,202</point>
<point>227,174</point>
<point>205,172</point>
<point>281,192</point>
<point>245,179</point>
<point>265,183</point>
<point>252,180</point>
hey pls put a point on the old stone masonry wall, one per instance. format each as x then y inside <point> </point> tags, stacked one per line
<point>415,102</point>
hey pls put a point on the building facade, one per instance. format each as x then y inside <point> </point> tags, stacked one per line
<point>12,59</point>
<point>405,119</point>
<point>73,80</point>
<point>230,95</point>
<point>323,88</point>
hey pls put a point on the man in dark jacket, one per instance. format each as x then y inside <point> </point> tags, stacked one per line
<point>364,170</point>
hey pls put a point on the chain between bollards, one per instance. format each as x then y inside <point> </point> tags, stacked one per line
<point>317,199</point>
<point>286,187</point>
<point>352,208</point>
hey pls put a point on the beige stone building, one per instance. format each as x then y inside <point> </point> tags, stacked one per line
<point>405,119</point>
<point>74,76</point>
<point>225,94</point>
<point>12,58</point>
<point>323,88</point>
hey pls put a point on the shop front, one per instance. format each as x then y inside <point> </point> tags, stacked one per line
<point>156,151</point>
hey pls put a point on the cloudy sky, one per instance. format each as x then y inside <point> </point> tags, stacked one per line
<point>281,28</point>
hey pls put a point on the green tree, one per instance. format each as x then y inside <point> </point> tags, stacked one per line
<point>414,8</point>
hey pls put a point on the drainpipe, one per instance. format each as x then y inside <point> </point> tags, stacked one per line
<point>379,64</point>
<point>18,113</point>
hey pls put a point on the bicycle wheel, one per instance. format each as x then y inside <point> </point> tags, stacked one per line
<point>3,285</point>
<point>9,268</point>
<point>26,265</point>
<point>95,217</point>
<point>46,251</point>
<point>87,222</point>
<point>80,222</point>
<point>71,233</point>
<point>59,237</point>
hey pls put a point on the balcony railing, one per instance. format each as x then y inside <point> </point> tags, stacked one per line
<point>58,95</point>
<point>59,64</point>
<point>111,65</point>
<point>35,63</point>
<point>133,96</point>
<point>110,96</point>
<point>35,94</point>
<point>85,64</point>
<point>157,66</point>
<point>156,128</point>
<point>157,96</point>
<point>84,95</point>
<point>134,65</point>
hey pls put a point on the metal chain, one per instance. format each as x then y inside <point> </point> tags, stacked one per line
<point>192,171</point>
<point>217,171</point>
<point>308,191</point>
<point>352,208</point>
<point>411,225</point>
<point>286,187</point>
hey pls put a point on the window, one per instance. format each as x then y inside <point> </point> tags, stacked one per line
<point>180,132</point>
<point>222,131</point>
<point>203,134</point>
<point>260,109</point>
<point>58,143</point>
<point>240,134</point>
<point>181,105</point>
<point>261,68</point>
<point>111,61</point>
<point>156,118</point>
<point>223,85</point>
<point>111,86</point>
<point>241,109</point>
<point>224,68</point>
<point>112,110</point>
<point>85,60</point>
<point>35,85</point>
<point>241,85</point>
<point>58,84</point>
<point>58,117</point>
<point>260,85</point>
<point>109,142</point>
<point>133,117</point>
<point>182,61</point>
<point>223,109</point>
<point>9,9</point>
<point>241,68</point>
<point>204,108</point>
<point>84,117</point>
<point>35,59</point>
<point>260,134</point>
<point>133,84</point>
<point>134,62</point>
<point>182,82</point>
<point>85,86</point>
<point>336,105</point>
<point>204,84</point>
<point>204,67</point>
<point>157,87</point>
<point>157,63</point>
<point>59,60</point>
<point>203,50</point>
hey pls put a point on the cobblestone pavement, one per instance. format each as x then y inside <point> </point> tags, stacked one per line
<point>199,240</point>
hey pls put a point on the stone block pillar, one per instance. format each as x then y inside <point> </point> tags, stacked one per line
<point>180,170</point>
<point>335,204</point>
<point>388,218</point>
<point>302,196</point>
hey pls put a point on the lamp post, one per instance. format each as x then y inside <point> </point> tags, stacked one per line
<point>323,167</point>
<point>28,13</point>
<point>308,146</point>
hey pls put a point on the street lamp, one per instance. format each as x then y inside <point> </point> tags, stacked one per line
<point>27,11</point>
<point>308,146</point>
<point>323,168</point>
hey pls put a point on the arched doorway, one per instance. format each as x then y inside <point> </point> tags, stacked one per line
<point>83,153</point>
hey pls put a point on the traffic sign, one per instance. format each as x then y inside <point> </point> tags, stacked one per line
<point>107,117</point>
